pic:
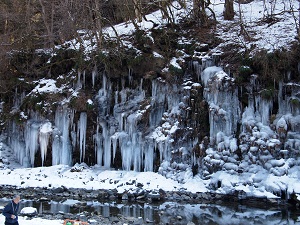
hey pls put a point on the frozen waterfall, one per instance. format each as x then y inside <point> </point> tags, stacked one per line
<point>141,124</point>
<point>222,97</point>
<point>120,133</point>
<point>40,136</point>
<point>61,146</point>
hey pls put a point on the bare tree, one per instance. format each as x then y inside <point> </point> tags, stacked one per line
<point>228,10</point>
<point>199,12</point>
<point>138,10</point>
<point>200,8</point>
<point>97,22</point>
<point>48,18</point>
<point>299,21</point>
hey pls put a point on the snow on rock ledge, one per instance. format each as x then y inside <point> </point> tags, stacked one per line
<point>28,211</point>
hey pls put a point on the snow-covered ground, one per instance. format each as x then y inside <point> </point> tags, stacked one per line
<point>268,25</point>
<point>24,220</point>
<point>34,221</point>
<point>256,182</point>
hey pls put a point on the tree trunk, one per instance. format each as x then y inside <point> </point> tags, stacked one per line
<point>228,10</point>
<point>138,10</point>
<point>199,12</point>
<point>163,7</point>
<point>98,24</point>
<point>49,26</point>
<point>299,23</point>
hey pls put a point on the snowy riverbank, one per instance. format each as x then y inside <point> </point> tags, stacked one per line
<point>83,182</point>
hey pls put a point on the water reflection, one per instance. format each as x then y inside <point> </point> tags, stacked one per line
<point>171,212</point>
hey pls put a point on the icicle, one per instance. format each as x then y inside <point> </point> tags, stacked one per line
<point>141,85</point>
<point>263,107</point>
<point>73,137</point>
<point>137,151</point>
<point>79,84</point>
<point>116,97</point>
<point>195,65</point>
<point>31,140</point>
<point>114,141</point>
<point>82,125</point>
<point>281,96</point>
<point>56,144</point>
<point>61,147</point>
<point>159,92</point>
<point>140,145</point>
<point>130,77</point>
<point>94,75</point>
<point>103,97</point>
<point>123,94</point>
<point>149,153</point>
<point>98,145</point>
<point>45,132</point>
<point>142,92</point>
<point>16,99</point>
<point>104,84</point>
<point>127,153</point>
<point>83,79</point>
<point>106,145</point>
<point>17,144</point>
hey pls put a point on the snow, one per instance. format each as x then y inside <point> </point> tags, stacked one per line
<point>94,178</point>
<point>46,128</point>
<point>209,72</point>
<point>46,86</point>
<point>157,55</point>
<point>279,33</point>
<point>28,210</point>
<point>34,221</point>
<point>90,102</point>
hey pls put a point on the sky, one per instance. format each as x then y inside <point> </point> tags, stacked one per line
<point>263,36</point>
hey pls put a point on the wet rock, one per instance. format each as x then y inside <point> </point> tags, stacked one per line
<point>43,199</point>
<point>58,190</point>
<point>179,217</point>
<point>102,195</point>
<point>190,223</point>
<point>112,197</point>
<point>114,219</point>
<point>130,182</point>
<point>140,185</point>
<point>153,196</point>
<point>202,48</point>
<point>176,196</point>
<point>125,196</point>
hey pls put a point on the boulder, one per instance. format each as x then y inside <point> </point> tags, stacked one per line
<point>29,211</point>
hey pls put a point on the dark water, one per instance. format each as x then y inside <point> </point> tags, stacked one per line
<point>171,212</point>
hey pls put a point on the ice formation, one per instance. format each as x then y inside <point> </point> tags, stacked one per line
<point>148,131</point>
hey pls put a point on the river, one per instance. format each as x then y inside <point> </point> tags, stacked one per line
<point>170,212</point>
